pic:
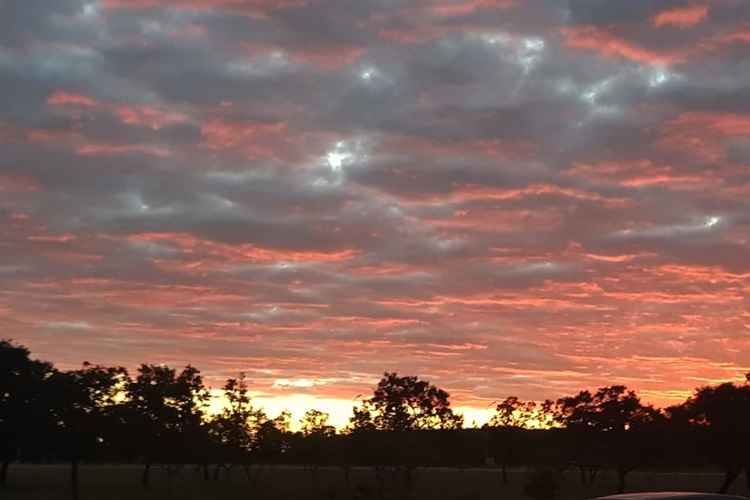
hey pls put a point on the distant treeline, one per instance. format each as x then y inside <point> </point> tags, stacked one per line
<point>158,417</point>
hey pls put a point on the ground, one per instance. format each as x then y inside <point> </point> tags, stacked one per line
<point>49,482</point>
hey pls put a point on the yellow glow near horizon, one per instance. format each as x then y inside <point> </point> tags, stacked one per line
<point>339,410</point>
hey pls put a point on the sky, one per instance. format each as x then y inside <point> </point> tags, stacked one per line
<point>504,197</point>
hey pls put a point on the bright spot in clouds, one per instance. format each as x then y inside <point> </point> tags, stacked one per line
<point>337,157</point>
<point>712,221</point>
<point>525,52</point>
<point>658,77</point>
<point>533,44</point>
<point>496,38</point>
<point>90,9</point>
<point>664,231</point>
<point>346,153</point>
<point>299,382</point>
<point>595,91</point>
<point>530,52</point>
<point>374,78</point>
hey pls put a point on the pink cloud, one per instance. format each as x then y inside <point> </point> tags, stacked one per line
<point>703,134</point>
<point>612,46</point>
<point>152,117</point>
<point>207,252</point>
<point>642,173</point>
<point>537,190</point>
<point>252,139</point>
<point>464,7</point>
<point>63,98</point>
<point>61,238</point>
<point>681,17</point>
<point>254,8</point>
<point>100,149</point>
<point>18,184</point>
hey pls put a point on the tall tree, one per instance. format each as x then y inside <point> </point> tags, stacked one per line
<point>23,410</point>
<point>722,413</point>
<point>401,405</point>
<point>504,438</point>
<point>81,404</point>
<point>613,418</point>
<point>408,403</point>
<point>164,411</point>
<point>316,435</point>
<point>235,428</point>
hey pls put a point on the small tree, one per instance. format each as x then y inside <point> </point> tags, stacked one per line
<point>272,437</point>
<point>316,434</point>
<point>315,423</point>
<point>361,419</point>
<point>514,413</point>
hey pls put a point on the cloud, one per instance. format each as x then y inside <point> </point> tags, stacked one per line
<point>681,17</point>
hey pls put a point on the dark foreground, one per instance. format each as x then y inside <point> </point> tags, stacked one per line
<point>49,482</point>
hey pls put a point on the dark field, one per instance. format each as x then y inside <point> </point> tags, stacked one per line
<point>49,482</point>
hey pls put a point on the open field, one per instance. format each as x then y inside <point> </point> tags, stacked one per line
<point>49,482</point>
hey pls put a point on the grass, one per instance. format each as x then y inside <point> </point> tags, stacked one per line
<point>100,482</point>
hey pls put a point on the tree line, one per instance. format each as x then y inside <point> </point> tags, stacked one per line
<point>158,417</point>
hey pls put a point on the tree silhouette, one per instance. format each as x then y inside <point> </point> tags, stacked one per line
<point>723,413</point>
<point>23,405</point>
<point>512,412</point>
<point>401,405</point>
<point>272,437</point>
<point>81,404</point>
<point>235,428</point>
<point>361,419</point>
<point>511,415</point>
<point>98,414</point>
<point>606,420</point>
<point>315,424</point>
<point>407,403</point>
<point>165,411</point>
<point>317,433</point>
